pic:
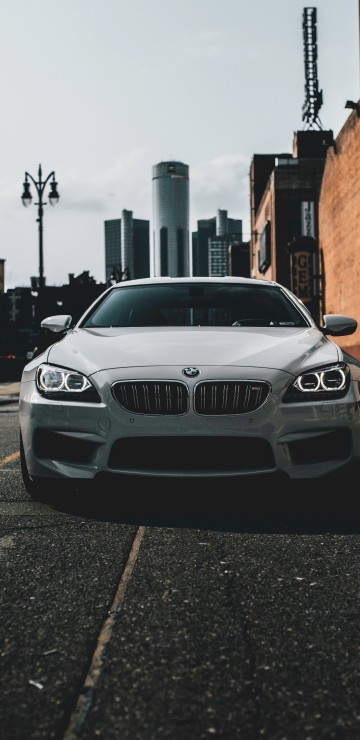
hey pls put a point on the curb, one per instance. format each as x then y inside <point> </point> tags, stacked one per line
<point>9,392</point>
<point>4,400</point>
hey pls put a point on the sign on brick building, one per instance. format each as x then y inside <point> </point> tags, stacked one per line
<point>303,253</point>
<point>308,218</point>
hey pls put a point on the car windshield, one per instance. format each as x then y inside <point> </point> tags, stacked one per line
<point>195,304</point>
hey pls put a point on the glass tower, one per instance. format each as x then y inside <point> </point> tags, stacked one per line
<point>127,248</point>
<point>171,248</point>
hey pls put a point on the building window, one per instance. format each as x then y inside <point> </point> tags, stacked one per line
<point>164,262</point>
<point>180,253</point>
<point>264,253</point>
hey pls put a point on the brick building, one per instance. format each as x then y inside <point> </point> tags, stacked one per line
<point>284,197</point>
<point>339,227</point>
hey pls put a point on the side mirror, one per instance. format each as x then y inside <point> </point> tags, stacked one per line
<point>337,325</point>
<point>58,323</point>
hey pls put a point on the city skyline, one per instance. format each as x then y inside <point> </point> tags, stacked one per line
<point>100,103</point>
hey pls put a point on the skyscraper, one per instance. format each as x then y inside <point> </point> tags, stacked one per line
<point>228,230</point>
<point>135,246</point>
<point>127,248</point>
<point>212,243</point>
<point>171,248</point>
<point>206,228</point>
<point>112,250</point>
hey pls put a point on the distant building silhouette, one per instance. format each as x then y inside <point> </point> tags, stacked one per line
<point>228,230</point>
<point>112,248</point>
<point>23,308</point>
<point>206,228</point>
<point>213,243</point>
<point>239,258</point>
<point>2,276</point>
<point>127,248</point>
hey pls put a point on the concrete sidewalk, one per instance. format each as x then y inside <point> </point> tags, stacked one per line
<point>9,392</point>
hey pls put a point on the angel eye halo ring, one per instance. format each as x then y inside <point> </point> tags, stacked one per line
<point>51,379</point>
<point>328,379</point>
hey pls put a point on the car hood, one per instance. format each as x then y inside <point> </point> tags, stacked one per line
<point>284,348</point>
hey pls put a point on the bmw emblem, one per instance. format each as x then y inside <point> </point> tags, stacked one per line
<point>191,372</point>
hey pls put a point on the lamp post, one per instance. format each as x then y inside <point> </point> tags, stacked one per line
<point>118,275</point>
<point>53,199</point>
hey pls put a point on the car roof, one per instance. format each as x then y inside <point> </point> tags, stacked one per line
<point>192,279</point>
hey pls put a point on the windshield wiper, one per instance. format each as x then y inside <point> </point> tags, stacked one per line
<point>255,322</point>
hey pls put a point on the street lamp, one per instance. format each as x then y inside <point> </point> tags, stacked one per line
<point>118,275</point>
<point>53,199</point>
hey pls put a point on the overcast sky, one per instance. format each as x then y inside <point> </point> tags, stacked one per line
<point>102,91</point>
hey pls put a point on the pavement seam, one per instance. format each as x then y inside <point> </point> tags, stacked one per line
<point>84,702</point>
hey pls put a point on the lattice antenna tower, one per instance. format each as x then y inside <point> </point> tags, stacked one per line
<point>313,96</point>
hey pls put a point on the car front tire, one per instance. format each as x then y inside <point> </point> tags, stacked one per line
<point>34,485</point>
<point>52,489</point>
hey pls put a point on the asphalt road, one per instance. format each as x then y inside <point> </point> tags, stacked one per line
<point>177,610</point>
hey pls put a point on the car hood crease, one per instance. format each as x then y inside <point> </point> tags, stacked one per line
<point>289,349</point>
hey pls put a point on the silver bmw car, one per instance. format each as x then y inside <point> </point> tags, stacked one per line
<point>190,377</point>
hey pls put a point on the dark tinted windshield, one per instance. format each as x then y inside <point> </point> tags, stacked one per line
<point>195,304</point>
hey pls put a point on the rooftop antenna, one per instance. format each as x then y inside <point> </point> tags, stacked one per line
<point>313,96</point>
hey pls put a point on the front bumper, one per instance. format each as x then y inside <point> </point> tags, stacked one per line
<point>81,441</point>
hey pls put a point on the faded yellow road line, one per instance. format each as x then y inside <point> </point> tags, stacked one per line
<point>9,458</point>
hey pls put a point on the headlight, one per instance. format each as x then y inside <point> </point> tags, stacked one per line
<point>320,384</point>
<point>61,384</point>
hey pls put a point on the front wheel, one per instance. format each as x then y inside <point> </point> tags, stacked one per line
<point>34,485</point>
<point>51,489</point>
